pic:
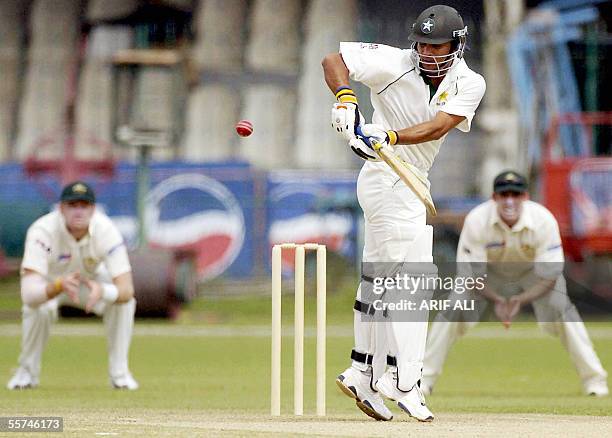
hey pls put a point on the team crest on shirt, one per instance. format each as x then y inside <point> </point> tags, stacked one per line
<point>442,98</point>
<point>90,264</point>
<point>528,250</point>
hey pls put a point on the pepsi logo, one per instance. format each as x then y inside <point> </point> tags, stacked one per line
<point>293,219</point>
<point>197,213</point>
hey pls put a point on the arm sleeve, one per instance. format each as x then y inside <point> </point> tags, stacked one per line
<point>471,247</point>
<point>549,257</point>
<point>371,64</point>
<point>471,253</point>
<point>465,100</point>
<point>36,252</point>
<point>115,252</point>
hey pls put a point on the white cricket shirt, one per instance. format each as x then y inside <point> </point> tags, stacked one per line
<point>534,238</point>
<point>51,250</point>
<point>400,97</point>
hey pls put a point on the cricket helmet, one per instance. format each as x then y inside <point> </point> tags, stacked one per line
<point>439,24</point>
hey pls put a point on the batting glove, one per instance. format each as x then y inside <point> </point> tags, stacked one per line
<point>377,133</point>
<point>345,114</point>
<point>362,150</point>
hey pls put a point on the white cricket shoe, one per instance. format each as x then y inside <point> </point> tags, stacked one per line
<point>596,387</point>
<point>125,381</point>
<point>411,402</point>
<point>22,379</point>
<point>356,384</point>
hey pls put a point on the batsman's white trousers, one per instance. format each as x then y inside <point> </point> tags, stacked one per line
<point>556,315</point>
<point>395,231</point>
<point>36,325</point>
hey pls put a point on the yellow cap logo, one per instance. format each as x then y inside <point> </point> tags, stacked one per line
<point>510,177</point>
<point>79,188</point>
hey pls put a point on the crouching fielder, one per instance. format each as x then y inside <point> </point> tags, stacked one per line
<point>419,95</point>
<point>520,243</point>
<point>75,254</point>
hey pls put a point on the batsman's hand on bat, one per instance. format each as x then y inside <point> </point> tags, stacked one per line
<point>345,118</point>
<point>95,294</point>
<point>345,114</point>
<point>373,132</point>
<point>362,150</point>
<point>365,134</point>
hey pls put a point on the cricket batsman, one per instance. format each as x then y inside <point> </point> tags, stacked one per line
<point>75,255</point>
<point>418,94</point>
<point>519,241</point>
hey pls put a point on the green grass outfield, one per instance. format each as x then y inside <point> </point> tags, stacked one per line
<point>215,360</point>
<point>226,370</point>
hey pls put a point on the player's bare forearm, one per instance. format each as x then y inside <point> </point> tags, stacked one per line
<point>335,70</point>
<point>538,290</point>
<point>51,289</point>
<point>420,133</point>
<point>125,286</point>
<point>36,288</point>
<point>431,130</point>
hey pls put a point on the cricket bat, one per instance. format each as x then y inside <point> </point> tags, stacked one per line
<point>408,173</point>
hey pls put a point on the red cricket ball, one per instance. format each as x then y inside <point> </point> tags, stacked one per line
<point>244,128</point>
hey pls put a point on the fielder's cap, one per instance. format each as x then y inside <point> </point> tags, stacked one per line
<point>78,191</point>
<point>510,181</point>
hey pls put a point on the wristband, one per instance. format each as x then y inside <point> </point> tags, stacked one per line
<point>57,285</point>
<point>110,293</point>
<point>346,95</point>
<point>393,137</point>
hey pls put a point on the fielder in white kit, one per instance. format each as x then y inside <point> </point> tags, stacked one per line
<point>519,241</point>
<point>419,95</point>
<point>75,254</point>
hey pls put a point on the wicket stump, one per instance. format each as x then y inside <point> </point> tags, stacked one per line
<point>298,363</point>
